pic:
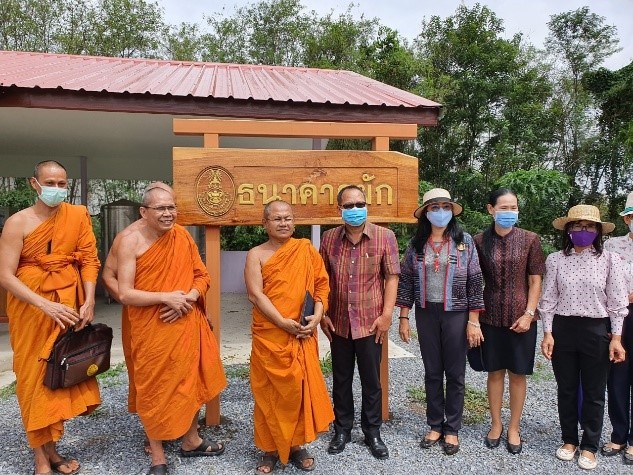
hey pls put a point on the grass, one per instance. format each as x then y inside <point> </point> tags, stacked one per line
<point>326,364</point>
<point>241,371</point>
<point>475,403</point>
<point>7,391</point>
<point>542,371</point>
<point>111,377</point>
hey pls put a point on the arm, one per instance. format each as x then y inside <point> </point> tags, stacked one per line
<point>475,293</point>
<point>326,322</point>
<point>109,271</point>
<point>390,267</point>
<point>617,305</point>
<point>11,243</point>
<point>547,304</point>
<point>87,245</point>
<point>320,294</point>
<point>255,290</point>
<point>535,283</point>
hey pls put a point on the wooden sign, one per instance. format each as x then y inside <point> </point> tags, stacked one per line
<point>231,186</point>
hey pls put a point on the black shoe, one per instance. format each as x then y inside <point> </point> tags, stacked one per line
<point>609,451</point>
<point>337,444</point>
<point>451,449</point>
<point>493,443</point>
<point>427,443</point>
<point>377,447</point>
<point>514,449</point>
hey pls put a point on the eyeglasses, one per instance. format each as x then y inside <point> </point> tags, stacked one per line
<point>162,209</point>
<point>586,227</point>
<point>360,204</point>
<point>279,220</point>
<point>436,208</point>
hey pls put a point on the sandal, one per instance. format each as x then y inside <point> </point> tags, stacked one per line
<point>64,462</point>
<point>158,469</point>
<point>268,461</point>
<point>627,458</point>
<point>201,450</point>
<point>301,455</point>
<point>609,451</point>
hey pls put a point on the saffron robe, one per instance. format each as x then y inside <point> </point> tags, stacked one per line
<point>177,365</point>
<point>292,404</point>
<point>57,257</point>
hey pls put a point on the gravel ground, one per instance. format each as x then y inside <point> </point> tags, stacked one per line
<point>110,440</point>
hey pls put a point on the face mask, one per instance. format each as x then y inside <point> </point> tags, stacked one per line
<point>631,226</point>
<point>52,195</point>
<point>582,238</point>
<point>439,218</point>
<point>506,219</point>
<point>354,216</point>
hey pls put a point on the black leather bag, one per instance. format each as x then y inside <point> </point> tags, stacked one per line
<point>78,355</point>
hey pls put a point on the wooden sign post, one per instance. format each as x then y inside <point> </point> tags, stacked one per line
<point>223,187</point>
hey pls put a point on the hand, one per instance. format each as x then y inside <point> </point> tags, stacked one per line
<point>193,296</point>
<point>86,314</point>
<point>474,336</point>
<point>327,327</point>
<point>522,324</point>
<point>61,314</point>
<point>175,305</point>
<point>307,331</point>
<point>291,326</point>
<point>404,329</point>
<point>381,328</point>
<point>630,298</point>
<point>617,354</point>
<point>547,345</point>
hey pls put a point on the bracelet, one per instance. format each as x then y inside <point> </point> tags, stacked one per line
<point>529,312</point>
<point>406,318</point>
<point>474,324</point>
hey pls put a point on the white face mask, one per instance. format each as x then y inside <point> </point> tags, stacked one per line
<point>631,225</point>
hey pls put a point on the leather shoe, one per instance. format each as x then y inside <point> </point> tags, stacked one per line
<point>451,449</point>
<point>377,447</point>
<point>493,443</point>
<point>337,444</point>
<point>427,443</point>
<point>514,449</point>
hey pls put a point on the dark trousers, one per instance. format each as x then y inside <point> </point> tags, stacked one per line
<point>619,387</point>
<point>442,337</point>
<point>367,353</point>
<point>581,350</point>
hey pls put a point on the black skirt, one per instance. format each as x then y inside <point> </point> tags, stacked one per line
<point>503,348</point>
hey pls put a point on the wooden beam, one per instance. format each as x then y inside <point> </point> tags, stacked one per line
<point>212,242</point>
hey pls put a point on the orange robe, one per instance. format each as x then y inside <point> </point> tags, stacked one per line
<point>292,404</point>
<point>56,271</point>
<point>177,366</point>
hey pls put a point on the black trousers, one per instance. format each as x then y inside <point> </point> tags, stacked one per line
<point>345,354</point>
<point>619,387</point>
<point>443,344</point>
<point>581,350</point>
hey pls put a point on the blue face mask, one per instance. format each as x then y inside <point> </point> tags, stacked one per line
<point>52,195</point>
<point>506,219</point>
<point>439,218</point>
<point>354,216</point>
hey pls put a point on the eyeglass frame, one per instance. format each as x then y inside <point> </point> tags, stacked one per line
<point>583,227</point>
<point>163,209</point>
<point>359,204</point>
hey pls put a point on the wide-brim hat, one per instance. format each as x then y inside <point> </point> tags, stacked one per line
<point>437,195</point>
<point>583,213</point>
<point>628,207</point>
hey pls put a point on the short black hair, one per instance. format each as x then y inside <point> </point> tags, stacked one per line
<point>339,196</point>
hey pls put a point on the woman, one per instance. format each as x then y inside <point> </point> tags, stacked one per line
<point>440,273</point>
<point>620,382</point>
<point>584,299</point>
<point>512,263</point>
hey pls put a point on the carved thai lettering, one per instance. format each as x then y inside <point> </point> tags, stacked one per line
<point>340,187</point>
<point>379,189</point>
<point>307,191</point>
<point>246,194</point>
<point>329,188</point>
<point>263,190</point>
<point>368,178</point>
<point>293,193</point>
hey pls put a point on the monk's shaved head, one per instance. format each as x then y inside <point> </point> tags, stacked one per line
<point>155,189</point>
<point>160,185</point>
<point>44,164</point>
<point>277,204</point>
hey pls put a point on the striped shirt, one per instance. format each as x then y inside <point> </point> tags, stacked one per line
<point>357,276</point>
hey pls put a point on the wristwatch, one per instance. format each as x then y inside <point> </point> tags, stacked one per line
<point>529,312</point>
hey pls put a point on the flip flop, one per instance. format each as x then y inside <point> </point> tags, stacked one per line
<point>268,461</point>
<point>158,470</point>
<point>299,456</point>
<point>64,461</point>
<point>201,450</point>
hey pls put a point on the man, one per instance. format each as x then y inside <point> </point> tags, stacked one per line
<point>49,268</point>
<point>175,358</point>
<point>292,404</point>
<point>363,264</point>
<point>620,382</point>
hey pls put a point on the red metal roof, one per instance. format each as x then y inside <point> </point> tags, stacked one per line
<point>203,80</point>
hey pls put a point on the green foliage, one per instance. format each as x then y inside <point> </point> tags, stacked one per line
<point>475,403</point>
<point>114,376</point>
<point>7,391</point>
<point>326,364</point>
<point>239,371</point>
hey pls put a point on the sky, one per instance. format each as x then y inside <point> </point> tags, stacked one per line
<point>529,17</point>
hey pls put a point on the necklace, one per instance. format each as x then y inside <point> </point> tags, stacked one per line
<point>436,253</point>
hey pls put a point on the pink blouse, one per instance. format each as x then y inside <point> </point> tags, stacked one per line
<point>585,285</point>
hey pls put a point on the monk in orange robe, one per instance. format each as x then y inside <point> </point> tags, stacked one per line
<point>292,404</point>
<point>175,356</point>
<point>49,268</point>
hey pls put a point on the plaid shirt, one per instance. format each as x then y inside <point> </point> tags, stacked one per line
<point>357,276</point>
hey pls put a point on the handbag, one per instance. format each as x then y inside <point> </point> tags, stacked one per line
<point>78,355</point>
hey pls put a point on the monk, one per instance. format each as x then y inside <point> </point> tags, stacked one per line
<point>292,404</point>
<point>175,357</point>
<point>49,268</point>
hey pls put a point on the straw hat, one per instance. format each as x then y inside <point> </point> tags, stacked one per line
<point>437,195</point>
<point>583,213</point>
<point>628,208</point>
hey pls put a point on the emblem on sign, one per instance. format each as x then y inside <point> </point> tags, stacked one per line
<point>92,370</point>
<point>215,191</point>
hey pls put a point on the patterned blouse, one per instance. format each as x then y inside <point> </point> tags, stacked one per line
<point>585,285</point>
<point>623,245</point>
<point>514,257</point>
